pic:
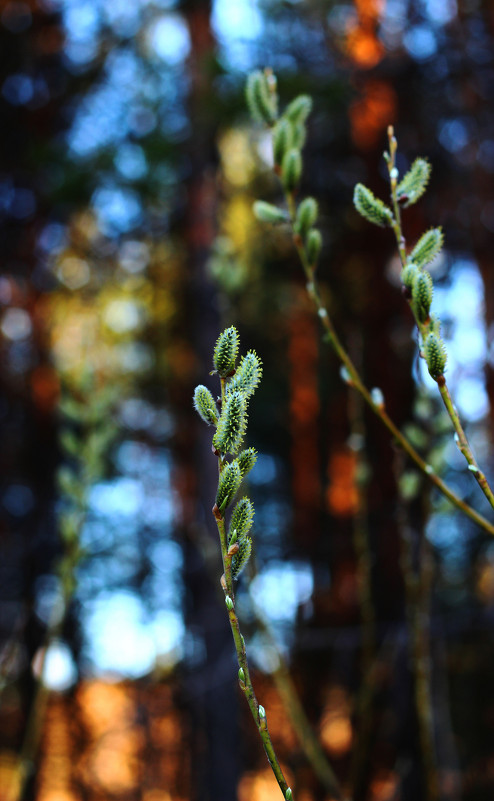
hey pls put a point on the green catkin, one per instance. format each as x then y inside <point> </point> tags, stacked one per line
<point>313,246</point>
<point>226,351</point>
<point>241,519</point>
<point>370,207</point>
<point>228,484</point>
<point>267,213</point>
<point>299,109</point>
<point>246,460</point>
<point>205,406</point>
<point>260,100</point>
<point>435,355</point>
<point>247,375</point>
<point>414,183</point>
<point>435,325</point>
<point>232,424</point>
<point>283,134</point>
<point>291,169</point>
<point>427,248</point>
<point>422,291</point>
<point>408,274</point>
<point>241,557</point>
<point>299,136</point>
<point>306,216</point>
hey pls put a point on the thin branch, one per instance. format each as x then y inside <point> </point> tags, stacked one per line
<point>258,712</point>
<point>461,437</point>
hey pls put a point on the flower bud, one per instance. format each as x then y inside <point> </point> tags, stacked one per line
<point>226,351</point>
<point>435,355</point>
<point>427,248</point>
<point>306,216</point>
<point>291,170</point>
<point>370,207</point>
<point>267,213</point>
<point>414,183</point>
<point>204,405</point>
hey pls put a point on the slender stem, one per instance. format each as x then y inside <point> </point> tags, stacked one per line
<point>361,545</point>
<point>301,725</point>
<point>463,443</point>
<point>354,380</point>
<point>245,682</point>
<point>461,437</point>
<point>417,592</point>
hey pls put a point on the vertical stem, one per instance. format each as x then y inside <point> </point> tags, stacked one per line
<point>463,444</point>
<point>258,713</point>
<point>462,440</point>
<point>356,382</point>
<point>417,600</point>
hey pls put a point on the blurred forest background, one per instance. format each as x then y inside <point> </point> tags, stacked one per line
<point>128,168</point>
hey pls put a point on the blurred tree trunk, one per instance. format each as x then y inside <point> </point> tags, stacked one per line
<point>212,697</point>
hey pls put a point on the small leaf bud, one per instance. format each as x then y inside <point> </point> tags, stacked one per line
<point>414,183</point>
<point>435,355</point>
<point>241,675</point>
<point>242,556</point>
<point>246,460</point>
<point>377,397</point>
<point>306,216</point>
<point>261,101</point>
<point>228,485</point>
<point>291,170</point>
<point>282,140</point>
<point>370,207</point>
<point>205,406</point>
<point>289,794</point>
<point>232,423</point>
<point>427,248</point>
<point>262,711</point>
<point>408,274</point>
<point>299,109</point>
<point>247,375</point>
<point>241,519</point>
<point>267,213</point>
<point>299,136</point>
<point>229,603</point>
<point>345,375</point>
<point>313,246</point>
<point>226,351</point>
<point>422,290</point>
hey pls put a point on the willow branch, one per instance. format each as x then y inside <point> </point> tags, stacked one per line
<point>353,379</point>
<point>461,437</point>
<point>258,711</point>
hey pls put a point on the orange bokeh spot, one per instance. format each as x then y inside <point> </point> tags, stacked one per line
<point>260,786</point>
<point>372,113</point>
<point>361,42</point>
<point>383,786</point>
<point>342,494</point>
<point>45,386</point>
<point>335,727</point>
<point>364,48</point>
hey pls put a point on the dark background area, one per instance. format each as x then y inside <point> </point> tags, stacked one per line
<point>128,169</point>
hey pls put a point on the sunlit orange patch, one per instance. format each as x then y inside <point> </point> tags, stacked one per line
<point>335,727</point>
<point>372,113</point>
<point>341,493</point>
<point>45,387</point>
<point>260,785</point>
<point>364,48</point>
<point>361,42</point>
<point>383,786</point>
